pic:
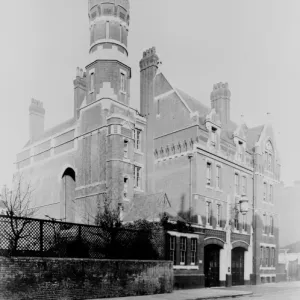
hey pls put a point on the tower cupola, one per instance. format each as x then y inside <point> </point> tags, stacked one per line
<point>109,25</point>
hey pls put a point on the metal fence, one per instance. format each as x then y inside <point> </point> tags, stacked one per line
<point>35,237</point>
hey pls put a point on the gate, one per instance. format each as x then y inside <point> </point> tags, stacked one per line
<point>212,265</point>
<point>237,266</point>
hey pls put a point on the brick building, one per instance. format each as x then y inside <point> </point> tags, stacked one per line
<point>196,155</point>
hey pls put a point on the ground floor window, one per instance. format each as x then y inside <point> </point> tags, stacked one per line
<point>193,251</point>
<point>172,252</point>
<point>183,250</point>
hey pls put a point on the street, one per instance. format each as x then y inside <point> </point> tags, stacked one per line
<point>274,291</point>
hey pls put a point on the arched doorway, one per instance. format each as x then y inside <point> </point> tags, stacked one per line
<point>68,195</point>
<point>238,265</point>
<point>212,265</point>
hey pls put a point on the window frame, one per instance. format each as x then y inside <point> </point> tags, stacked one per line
<point>193,251</point>
<point>265,195</point>
<point>208,173</point>
<point>137,177</point>
<point>218,177</point>
<point>208,213</point>
<point>172,249</point>
<point>123,82</point>
<point>182,250</point>
<point>137,139</point>
<point>244,185</point>
<point>219,215</point>
<point>262,255</point>
<point>236,183</point>
<point>125,148</point>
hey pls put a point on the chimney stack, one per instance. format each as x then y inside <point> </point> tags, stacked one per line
<point>36,119</point>
<point>220,101</point>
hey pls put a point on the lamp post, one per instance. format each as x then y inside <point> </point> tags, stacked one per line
<point>190,156</point>
<point>244,204</point>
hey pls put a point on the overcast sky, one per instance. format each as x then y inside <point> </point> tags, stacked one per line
<point>253,45</point>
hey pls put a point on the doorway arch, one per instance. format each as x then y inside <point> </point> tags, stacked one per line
<point>212,264</point>
<point>68,195</point>
<point>238,265</point>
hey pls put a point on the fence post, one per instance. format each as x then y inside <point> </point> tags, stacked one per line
<point>41,237</point>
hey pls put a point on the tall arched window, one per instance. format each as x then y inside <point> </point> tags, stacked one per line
<point>269,156</point>
<point>68,195</point>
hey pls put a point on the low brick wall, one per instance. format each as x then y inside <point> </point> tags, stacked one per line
<point>66,279</point>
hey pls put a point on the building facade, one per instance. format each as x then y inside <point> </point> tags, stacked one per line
<point>204,162</point>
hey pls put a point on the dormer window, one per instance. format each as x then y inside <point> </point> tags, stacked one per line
<point>269,152</point>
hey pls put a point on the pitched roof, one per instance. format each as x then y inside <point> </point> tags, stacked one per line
<point>150,208</point>
<point>52,131</point>
<point>253,135</point>
<point>193,104</point>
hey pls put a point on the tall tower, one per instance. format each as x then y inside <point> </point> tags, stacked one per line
<point>109,24</point>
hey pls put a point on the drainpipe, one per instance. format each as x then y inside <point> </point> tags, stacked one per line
<point>190,156</point>
<point>254,224</point>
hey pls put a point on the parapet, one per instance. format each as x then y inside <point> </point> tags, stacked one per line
<point>220,90</point>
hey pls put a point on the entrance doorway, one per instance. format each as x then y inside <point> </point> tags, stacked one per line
<point>212,265</point>
<point>237,266</point>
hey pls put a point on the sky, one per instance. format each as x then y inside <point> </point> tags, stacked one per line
<point>253,45</point>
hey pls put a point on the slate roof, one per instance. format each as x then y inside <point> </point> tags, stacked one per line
<point>53,131</point>
<point>150,207</point>
<point>253,135</point>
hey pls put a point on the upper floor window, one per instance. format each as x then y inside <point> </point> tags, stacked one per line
<point>125,187</point>
<point>261,255</point>
<point>240,151</point>
<point>183,250</point>
<point>219,215</point>
<point>125,148</point>
<point>271,193</point>
<point>137,176</point>
<point>269,152</point>
<point>107,9</point>
<point>236,220</point>
<point>218,177</point>
<point>265,191</point>
<point>158,107</point>
<point>92,81</point>
<point>213,136</point>
<point>244,223</point>
<point>237,183</point>
<point>123,82</point>
<point>265,224</point>
<point>193,251</point>
<point>208,173</point>
<point>272,257</point>
<point>271,225</point>
<point>208,213</point>
<point>244,185</point>
<point>137,139</point>
<point>267,256</point>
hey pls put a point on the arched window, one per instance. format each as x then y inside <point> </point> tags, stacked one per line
<point>68,195</point>
<point>269,156</point>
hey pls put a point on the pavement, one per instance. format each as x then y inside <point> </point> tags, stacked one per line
<point>192,294</point>
<point>269,291</point>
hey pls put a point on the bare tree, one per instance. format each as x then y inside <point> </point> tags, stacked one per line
<point>17,201</point>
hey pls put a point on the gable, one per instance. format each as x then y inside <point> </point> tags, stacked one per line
<point>161,85</point>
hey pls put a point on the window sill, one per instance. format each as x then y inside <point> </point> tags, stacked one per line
<point>219,190</point>
<point>137,189</point>
<point>219,228</point>
<point>208,226</point>
<point>126,159</point>
<point>209,187</point>
<point>138,151</point>
<point>157,116</point>
<point>122,92</point>
<point>267,268</point>
<point>185,267</point>
<point>91,92</point>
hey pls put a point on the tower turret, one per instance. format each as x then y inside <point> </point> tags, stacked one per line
<point>109,25</point>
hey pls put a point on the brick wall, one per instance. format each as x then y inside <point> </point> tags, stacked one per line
<point>37,278</point>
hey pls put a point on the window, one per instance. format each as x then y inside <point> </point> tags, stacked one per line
<point>237,183</point>
<point>244,185</point>
<point>107,30</point>
<point>267,252</point>
<point>265,224</point>
<point>208,213</point>
<point>158,107</point>
<point>123,79</point>
<point>193,251</point>
<point>137,139</point>
<point>92,75</point>
<point>182,250</point>
<point>269,156</point>
<point>107,9</point>
<point>137,176</point>
<point>240,151</point>
<point>218,177</point>
<point>125,149</point>
<point>236,220</point>
<point>213,136</point>
<point>265,191</point>
<point>125,187</point>
<point>271,225</point>
<point>172,249</point>
<point>218,215</point>
<point>245,223</point>
<point>208,174</point>
<point>272,257</point>
<point>271,193</point>
<point>261,255</point>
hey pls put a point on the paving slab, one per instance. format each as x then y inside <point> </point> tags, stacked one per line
<point>192,294</point>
